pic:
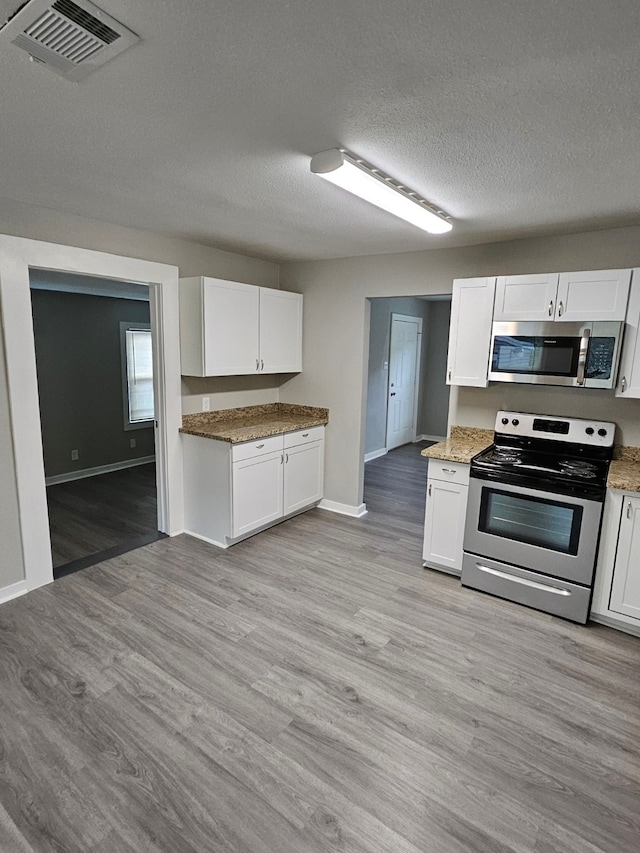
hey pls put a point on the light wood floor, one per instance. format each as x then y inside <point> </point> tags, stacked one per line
<point>95,514</point>
<point>311,689</point>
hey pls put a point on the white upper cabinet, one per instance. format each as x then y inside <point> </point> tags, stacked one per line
<point>280,331</point>
<point>629,373</point>
<point>599,295</point>
<point>525,297</point>
<point>231,329</point>
<point>565,297</point>
<point>470,331</point>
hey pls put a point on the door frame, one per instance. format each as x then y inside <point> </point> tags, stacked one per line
<point>17,256</point>
<point>418,320</point>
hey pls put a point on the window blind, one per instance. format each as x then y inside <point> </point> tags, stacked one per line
<point>139,374</point>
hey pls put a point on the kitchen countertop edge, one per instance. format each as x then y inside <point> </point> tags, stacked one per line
<point>249,423</point>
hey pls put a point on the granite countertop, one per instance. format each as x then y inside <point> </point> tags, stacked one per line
<point>462,445</point>
<point>249,423</point>
<point>624,471</point>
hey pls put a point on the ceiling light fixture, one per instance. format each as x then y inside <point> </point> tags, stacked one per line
<point>360,178</point>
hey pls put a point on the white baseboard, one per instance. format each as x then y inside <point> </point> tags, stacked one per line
<point>13,591</point>
<point>343,509</point>
<point>375,454</point>
<point>431,438</point>
<point>206,539</point>
<point>101,469</point>
<point>615,623</point>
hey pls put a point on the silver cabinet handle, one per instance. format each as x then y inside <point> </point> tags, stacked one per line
<point>393,394</point>
<point>623,384</point>
<point>551,308</point>
<point>448,470</point>
<point>429,489</point>
<point>629,509</point>
<point>524,581</point>
<point>257,364</point>
<point>281,458</point>
<point>287,457</point>
<point>259,446</point>
<point>305,434</point>
<point>449,376</point>
<point>582,356</point>
<point>262,364</point>
<point>560,309</point>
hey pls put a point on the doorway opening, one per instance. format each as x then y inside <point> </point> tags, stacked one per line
<point>424,415</point>
<point>93,346</point>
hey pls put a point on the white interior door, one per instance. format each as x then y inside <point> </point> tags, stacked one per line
<point>404,352</point>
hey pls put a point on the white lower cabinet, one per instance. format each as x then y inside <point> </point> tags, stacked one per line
<point>446,506</point>
<point>625,589</point>
<point>616,593</point>
<point>232,491</point>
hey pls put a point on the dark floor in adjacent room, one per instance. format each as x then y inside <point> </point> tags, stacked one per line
<point>96,517</point>
<point>311,689</point>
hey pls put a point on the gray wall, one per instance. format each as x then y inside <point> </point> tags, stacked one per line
<point>80,380</point>
<point>434,391</point>
<point>336,336</point>
<point>11,567</point>
<point>378,377</point>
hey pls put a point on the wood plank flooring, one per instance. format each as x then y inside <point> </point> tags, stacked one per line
<point>311,689</point>
<point>95,514</point>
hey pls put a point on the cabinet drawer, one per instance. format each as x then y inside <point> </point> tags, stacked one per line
<point>451,472</point>
<point>249,449</point>
<point>303,436</point>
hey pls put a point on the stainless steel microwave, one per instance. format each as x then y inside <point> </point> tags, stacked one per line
<point>547,353</point>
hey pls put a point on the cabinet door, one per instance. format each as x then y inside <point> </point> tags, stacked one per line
<point>470,331</point>
<point>444,525</point>
<point>629,373</point>
<point>303,475</point>
<point>280,331</point>
<point>257,492</point>
<point>525,297</point>
<point>230,319</point>
<point>625,590</point>
<point>599,295</point>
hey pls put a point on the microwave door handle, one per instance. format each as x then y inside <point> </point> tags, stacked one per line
<point>582,356</point>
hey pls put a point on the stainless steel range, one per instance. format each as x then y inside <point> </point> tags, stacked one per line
<point>534,512</point>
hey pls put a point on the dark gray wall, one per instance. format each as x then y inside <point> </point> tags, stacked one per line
<point>80,380</point>
<point>433,402</point>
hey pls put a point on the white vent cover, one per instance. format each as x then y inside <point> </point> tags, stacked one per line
<point>73,37</point>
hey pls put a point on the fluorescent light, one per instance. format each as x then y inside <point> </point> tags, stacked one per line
<point>363,180</point>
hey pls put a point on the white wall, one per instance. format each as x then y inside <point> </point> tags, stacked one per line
<point>11,565</point>
<point>336,335</point>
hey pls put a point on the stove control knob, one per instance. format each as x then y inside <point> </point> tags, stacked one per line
<point>515,422</point>
<point>505,421</point>
<point>589,430</point>
<point>602,432</point>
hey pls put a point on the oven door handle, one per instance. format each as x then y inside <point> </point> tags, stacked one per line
<point>524,581</point>
<point>582,355</point>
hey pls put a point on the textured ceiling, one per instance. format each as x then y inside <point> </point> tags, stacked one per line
<point>516,118</point>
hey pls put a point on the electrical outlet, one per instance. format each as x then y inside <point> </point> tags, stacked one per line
<point>206,404</point>
<point>75,456</point>
<point>132,442</point>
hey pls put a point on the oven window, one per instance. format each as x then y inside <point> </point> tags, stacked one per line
<point>522,518</point>
<point>540,356</point>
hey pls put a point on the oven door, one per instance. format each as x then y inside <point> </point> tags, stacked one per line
<point>542,531</point>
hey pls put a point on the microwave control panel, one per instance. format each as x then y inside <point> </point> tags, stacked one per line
<point>600,358</point>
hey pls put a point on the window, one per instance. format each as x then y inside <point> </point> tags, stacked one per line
<point>137,374</point>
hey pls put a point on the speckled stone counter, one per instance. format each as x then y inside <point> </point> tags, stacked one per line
<point>462,445</point>
<point>624,471</point>
<point>249,423</point>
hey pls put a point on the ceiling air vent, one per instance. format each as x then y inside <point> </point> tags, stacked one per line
<point>72,38</point>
